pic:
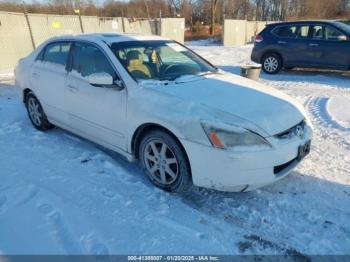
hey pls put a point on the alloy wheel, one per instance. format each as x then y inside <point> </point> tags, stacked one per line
<point>161,162</point>
<point>35,111</point>
<point>271,64</point>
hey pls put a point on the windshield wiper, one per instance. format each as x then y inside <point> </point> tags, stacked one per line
<point>174,78</point>
<point>171,79</point>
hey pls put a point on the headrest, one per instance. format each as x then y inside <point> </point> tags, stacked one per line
<point>134,58</point>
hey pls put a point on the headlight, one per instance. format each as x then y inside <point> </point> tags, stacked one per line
<point>227,137</point>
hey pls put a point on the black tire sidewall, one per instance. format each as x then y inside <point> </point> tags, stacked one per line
<point>279,60</point>
<point>183,183</point>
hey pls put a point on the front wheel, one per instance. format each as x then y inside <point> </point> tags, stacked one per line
<point>164,162</point>
<point>271,63</point>
<point>36,113</point>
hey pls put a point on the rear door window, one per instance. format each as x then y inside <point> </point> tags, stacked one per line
<point>286,31</point>
<point>56,53</point>
<point>317,32</point>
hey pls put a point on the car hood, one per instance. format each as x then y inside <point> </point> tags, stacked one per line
<point>265,107</point>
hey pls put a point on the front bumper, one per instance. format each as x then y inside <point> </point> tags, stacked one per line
<point>231,171</point>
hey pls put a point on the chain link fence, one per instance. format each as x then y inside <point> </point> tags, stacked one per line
<point>21,33</point>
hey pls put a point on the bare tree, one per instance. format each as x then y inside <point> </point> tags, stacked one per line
<point>213,6</point>
<point>207,12</point>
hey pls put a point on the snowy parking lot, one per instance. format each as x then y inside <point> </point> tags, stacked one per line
<point>60,194</point>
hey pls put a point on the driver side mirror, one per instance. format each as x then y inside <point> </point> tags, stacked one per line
<point>100,79</point>
<point>105,80</point>
<point>342,38</point>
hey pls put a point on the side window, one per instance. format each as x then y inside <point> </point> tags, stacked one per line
<point>56,53</point>
<point>88,59</point>
<point>303,31</point>
<point>286,31</point>
<point>317,32</point>
<point>332,34</point>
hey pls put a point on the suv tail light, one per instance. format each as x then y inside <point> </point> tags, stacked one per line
<point>259,39</point>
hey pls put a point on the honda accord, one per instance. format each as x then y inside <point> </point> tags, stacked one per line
<point>156,101</point>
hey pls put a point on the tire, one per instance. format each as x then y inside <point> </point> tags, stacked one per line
<point>164,162</point>
<point>36,113</point>
<point>271,63</point>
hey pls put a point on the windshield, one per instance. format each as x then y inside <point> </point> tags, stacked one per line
<point>159,60</point>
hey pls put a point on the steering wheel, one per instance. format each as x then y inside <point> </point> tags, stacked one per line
<point>167,69</point>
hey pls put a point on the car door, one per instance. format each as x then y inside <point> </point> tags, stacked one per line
<point>96,112</point>
<point>47,79</point>
<point>290,44</point>
<point>335,49</point>
<point>315,55</point>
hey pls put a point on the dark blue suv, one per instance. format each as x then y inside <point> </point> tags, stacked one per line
<point>316,44</point>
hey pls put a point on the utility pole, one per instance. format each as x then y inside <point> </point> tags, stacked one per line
<point>81,22</point>
<point>159,23</point>
<point>28,24</point>
<point>78,12</point>
<point>123,23</point>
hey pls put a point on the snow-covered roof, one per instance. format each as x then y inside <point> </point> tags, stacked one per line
<point>112,37</point>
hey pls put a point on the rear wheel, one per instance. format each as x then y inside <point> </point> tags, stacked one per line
<point>271,63</point>
<point>36,113</point>
<point>164,162</point>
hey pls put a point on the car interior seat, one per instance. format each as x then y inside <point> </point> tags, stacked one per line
<point>136,67</point>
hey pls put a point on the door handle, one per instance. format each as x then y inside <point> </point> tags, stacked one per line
<point>35,75</point>
<point>281,42</point>
<point>313,45</point>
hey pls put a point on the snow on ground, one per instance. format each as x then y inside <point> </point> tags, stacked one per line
<point>203,42</point>
<point>6,75</point>
<point>339,109</point>
<point>60,194</point>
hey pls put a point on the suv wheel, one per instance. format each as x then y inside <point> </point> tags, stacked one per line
<point>271,63</point>
<point>164,162</point>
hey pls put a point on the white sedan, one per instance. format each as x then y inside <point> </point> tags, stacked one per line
<point>156,101</point>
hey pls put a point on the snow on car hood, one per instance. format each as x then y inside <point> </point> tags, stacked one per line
<point>268,108</point>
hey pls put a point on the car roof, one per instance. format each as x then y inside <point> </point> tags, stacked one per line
<point>303,22</point>
<point>110,38</point>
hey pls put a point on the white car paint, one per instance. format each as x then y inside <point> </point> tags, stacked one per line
<point>110,117</point>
